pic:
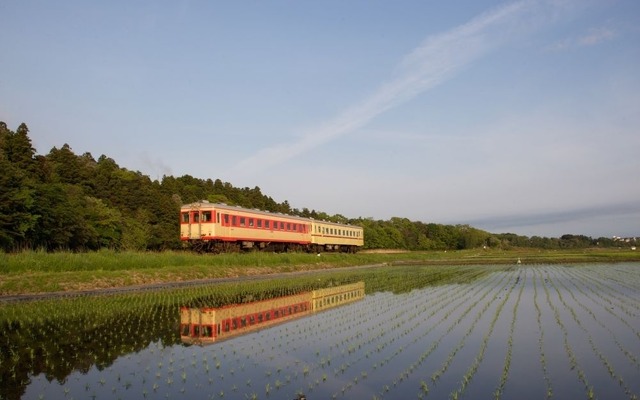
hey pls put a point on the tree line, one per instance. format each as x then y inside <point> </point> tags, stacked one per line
<point>65,201</point>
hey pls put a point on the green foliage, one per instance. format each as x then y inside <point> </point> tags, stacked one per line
<point>66,201</point>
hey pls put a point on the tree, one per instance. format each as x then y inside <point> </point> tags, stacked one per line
<point>16,188</point>
<point>19,150</point>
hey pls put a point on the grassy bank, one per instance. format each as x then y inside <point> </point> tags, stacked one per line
<point>39,272</point>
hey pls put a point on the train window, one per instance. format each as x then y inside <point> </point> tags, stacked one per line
<point>252,320</point>
<point>259,317</point>
<point>288,226</point>
<point>218,217</point>
<point>185,218</point>
<point>267,224</point>
<point>267,316</point>
<point>196,330</point>
<point>233,221</point>
<point>206,216</point>
<point>234,324</point>
<point>207,331</point>
<point>242,221</point>
<point>243,322</point>
<point>226,219</point>
<point>259,223</point>
<point>281,225</point>
<point>185,330</point>
<point>251,222</point>
<point>196,217</point>
<point>225,327</point>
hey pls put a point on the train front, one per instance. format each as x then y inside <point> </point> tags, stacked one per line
<point>197,222</point>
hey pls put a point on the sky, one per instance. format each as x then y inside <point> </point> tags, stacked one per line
<point>510,116</point>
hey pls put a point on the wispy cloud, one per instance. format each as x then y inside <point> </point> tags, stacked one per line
<point>597,36</point>
<point>593,37</point>
<point>436,60</point>
<point>563,217</point>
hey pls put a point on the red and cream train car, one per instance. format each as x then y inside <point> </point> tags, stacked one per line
<point>218,228</point>
<point>202,325</point>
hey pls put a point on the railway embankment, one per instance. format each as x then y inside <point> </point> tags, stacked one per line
<point>37,274</point>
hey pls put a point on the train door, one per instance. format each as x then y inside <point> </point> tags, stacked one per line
<point>194,225</point>
<point>223,225</point>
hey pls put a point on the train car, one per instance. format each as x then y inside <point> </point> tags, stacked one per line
<point>331,236</point>
<point>322,299</point>
<point>203,325</point>
<point>216,227</point>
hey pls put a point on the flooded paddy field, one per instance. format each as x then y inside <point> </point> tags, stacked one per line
<point>525,332</point>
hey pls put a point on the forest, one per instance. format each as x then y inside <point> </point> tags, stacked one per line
<point>62,201</point>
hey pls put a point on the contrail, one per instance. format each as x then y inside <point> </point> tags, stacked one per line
<point>437,59</point>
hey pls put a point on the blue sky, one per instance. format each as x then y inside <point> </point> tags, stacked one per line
<point>510,116</point>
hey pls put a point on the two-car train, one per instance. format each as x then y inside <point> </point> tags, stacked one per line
<point>202,325</point>
<point>217,227</point>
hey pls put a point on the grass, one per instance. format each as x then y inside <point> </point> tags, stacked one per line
<point>40,272</point>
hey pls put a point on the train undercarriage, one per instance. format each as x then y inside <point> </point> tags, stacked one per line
<point>219,246</point>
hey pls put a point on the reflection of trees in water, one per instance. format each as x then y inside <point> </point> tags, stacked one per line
<point>56,347</point>
<point>58,337</point>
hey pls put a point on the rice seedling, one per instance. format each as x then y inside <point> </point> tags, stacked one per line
<point>388,341</point>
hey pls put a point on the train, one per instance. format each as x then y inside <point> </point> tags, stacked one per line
<point>206,325</point>
<point>218,228</point>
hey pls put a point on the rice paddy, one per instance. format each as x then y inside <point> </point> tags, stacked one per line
<point>421,332</point>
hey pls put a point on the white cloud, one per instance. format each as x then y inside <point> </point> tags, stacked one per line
<point>593,37</point>
<point>437,59</point>
<point>597,36</point>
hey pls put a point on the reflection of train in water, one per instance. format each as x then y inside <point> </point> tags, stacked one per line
<point>207,325</point>
<point>221,228</point>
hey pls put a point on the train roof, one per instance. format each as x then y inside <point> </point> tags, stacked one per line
<point>223,206</point>
<point>317,221</point>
